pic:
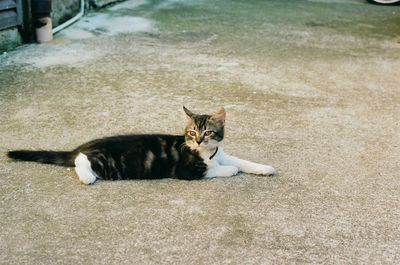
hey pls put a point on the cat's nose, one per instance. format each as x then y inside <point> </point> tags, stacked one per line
<point>199,141</point>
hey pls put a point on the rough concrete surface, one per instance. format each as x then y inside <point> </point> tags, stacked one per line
<point>310,87</point>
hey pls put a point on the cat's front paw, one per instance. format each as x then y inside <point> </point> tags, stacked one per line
<point>231,171</point>
<point>266,171</point>
<point>222,171</point>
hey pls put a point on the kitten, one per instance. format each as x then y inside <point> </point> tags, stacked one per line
<point>195,155</point>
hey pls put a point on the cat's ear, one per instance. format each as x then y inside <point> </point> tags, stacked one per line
<point>220,115</point>
<point>188,112</point>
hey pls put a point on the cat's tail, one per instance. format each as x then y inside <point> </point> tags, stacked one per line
<point>60,158</point>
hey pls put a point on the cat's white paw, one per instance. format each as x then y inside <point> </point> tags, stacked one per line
<point>266,170</point>
<point>84,170</point>
<point>87,178</point>
<point>230,171</point>
<point>222,171</point>
<point>269,171</point>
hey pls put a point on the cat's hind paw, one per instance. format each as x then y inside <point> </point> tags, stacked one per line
<point>83,170</point>
<point>86,178</point>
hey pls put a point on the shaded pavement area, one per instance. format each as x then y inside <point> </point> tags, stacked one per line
<point>310,87</point>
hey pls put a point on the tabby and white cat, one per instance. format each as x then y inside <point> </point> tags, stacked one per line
<point>197,154</point>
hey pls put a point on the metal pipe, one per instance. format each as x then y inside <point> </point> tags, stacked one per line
<point>72,20</point>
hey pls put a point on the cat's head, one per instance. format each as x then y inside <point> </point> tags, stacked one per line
<point>205,131</point>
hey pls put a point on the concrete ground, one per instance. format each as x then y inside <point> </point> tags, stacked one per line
<point>310,87</point>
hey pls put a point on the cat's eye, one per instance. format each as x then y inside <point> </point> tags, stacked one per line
<point>192,133</point>
<point>208,133</point>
